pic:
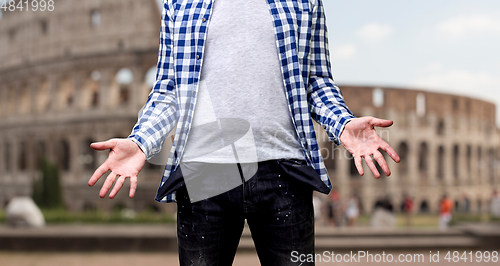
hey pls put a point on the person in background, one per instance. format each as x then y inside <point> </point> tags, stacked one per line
<point>335,209</point>
<point>407,208</point>
<point>446,207</point>
<point>495,205</point>
<point>352,211</point>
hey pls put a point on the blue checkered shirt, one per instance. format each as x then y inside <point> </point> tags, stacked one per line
<point>302,43</point>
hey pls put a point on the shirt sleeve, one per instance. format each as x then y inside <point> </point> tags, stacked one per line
<point>159,115</point>
<point>324,97</point>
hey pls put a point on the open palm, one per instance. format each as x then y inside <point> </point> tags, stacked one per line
<point>362,141</point>
<point>125,159</point>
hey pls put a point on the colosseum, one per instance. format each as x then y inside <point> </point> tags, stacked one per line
<point>82,72</point>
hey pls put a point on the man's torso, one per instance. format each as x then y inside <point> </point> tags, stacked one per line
<point>241,102</point>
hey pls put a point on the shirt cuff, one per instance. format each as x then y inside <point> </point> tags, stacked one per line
<point>141,143</point>
<point>340,126</point>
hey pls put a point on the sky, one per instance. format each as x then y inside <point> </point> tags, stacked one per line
<point>449,46</point>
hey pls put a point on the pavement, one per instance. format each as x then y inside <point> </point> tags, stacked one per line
<point>152,238</point>
<point>134,245</point>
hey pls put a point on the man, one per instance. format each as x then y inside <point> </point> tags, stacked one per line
<point>495,204</point>
<point>445,209</point>
<point>407,208</point>
<point>258,72</point>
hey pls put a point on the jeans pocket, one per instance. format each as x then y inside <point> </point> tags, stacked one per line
<point>304,174</point>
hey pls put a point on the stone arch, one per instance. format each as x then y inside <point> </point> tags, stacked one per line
<point>440,162</point>
<point>455,104</point>
<point>88,156</point>
<point>23,156</point>
<point>469,159</point>
<point>24,104</point>
<point>11,101</point>
<point>44,27</point>
<point>403,152</point>
<point>424,206</point>
<point>423,154</point>
<point>91,87</point>
<point>479,160</point>
<point>65,92</point>
<point>42,101</point>
<point>7,157</point>
<point>63,155</point>
<point>123,79</point>
<point>39,154</point>
<point>440,129</point>
<point>95,18</point>
<point>456,161</point>
<point>491,165</point>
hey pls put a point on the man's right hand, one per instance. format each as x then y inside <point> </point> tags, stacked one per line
<point>125,159</point>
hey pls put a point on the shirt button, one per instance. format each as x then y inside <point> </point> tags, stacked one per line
<point>204,19</point>
<point>198,57</point>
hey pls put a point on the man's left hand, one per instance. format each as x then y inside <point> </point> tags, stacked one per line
<point>362,141</point>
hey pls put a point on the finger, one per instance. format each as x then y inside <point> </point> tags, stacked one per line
<point>371,165</point>
<point>382,163</point>
<point>98,174</point>
<point>359,165</point>
<point>118,185</point>
<point>133,186</point>
<point>107,184</point>
<point>381,122</point>
<point>391,152</point>
<point>104,145</point>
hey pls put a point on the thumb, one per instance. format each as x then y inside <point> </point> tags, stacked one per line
<point>103,145</point>
<point>381,122</point>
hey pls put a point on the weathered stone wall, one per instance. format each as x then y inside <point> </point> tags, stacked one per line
<point>449,145</point>
<point>60,90</point>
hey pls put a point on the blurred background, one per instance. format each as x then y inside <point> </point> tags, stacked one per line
<point>81,73</point>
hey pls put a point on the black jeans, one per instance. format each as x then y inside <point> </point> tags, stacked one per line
<point>278,210</point>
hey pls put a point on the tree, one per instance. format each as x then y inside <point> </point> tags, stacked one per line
<point>47,191</point>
